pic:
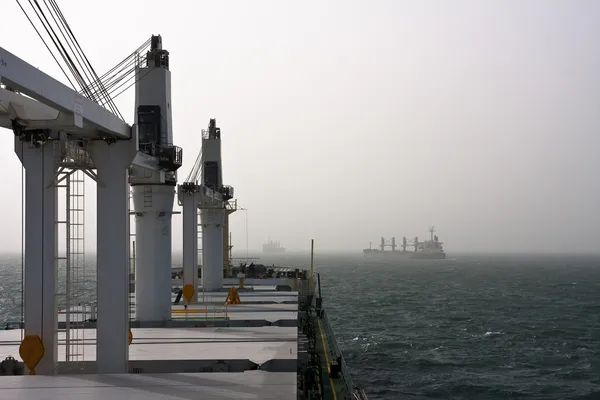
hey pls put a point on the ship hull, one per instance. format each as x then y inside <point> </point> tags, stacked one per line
<point>274,251</point>
<point>403,255</point>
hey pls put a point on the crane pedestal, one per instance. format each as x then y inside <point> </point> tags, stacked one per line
<point>112,162</point>
<point>153,211</point>
<point>212,248</point>
<point>41,209</point>
<point>188,196</point>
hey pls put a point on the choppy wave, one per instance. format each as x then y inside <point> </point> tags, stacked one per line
<point>493,327</point>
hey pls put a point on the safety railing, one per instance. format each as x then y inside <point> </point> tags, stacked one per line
<point>355,392</point>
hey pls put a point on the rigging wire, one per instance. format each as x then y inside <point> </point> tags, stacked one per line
<point>196,171</point>
<point>67,56</point>
<point>77,54</point>
<point>102,94</point>
<point>113,80</point>
<point>60,29</point>
<point>127,62</point>
<point>100,89</point>
<point>45,44</point>
<point>59,46</point>
<point>133,83</point>
<point>110,81</point>
<point>82,53</point>
<point>22,322</point>
<point>131,62</point>
<point>193,175</point>
<point>68,48</point>
<point>133,54</point>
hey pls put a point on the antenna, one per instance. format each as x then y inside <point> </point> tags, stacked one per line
<point>432,230</point>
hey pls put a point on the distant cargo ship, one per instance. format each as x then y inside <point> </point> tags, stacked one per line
<point>430,249</point>
<point>273,247</point>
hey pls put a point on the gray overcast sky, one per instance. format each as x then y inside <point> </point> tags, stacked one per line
<point>346,121</point>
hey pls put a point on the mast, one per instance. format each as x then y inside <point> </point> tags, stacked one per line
<point>312,257</point>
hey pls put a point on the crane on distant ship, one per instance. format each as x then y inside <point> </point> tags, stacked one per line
<point>392,244</point>
<point>428,249</point>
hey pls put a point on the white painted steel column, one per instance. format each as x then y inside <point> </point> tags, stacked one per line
<point>41,244</point>
<point>225,241</point>
<point>212,249</point>
<point>189,202</point>
<point>153,262</point>
<point>112,161</point>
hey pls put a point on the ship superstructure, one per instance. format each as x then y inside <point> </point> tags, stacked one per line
<point>409,249</point>
<point>204,195</point>
<point>264,337</point>
<point>273,247</point>
<point>153,190</point>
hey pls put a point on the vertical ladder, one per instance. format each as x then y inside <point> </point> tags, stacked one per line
<point>73,184</point>
<point>147,196</point>
<point>63,185</point>
<point>200,259</point>
<point>76,260</point>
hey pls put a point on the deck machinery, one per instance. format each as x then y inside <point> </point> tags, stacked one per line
<point>153,190</point>
<point>215,202</point>
<point>286,350</point>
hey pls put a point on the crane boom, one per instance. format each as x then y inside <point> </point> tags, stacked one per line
<point>93,120</point>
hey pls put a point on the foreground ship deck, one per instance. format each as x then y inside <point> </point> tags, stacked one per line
<point>274,345</point>
<point>217,386</point>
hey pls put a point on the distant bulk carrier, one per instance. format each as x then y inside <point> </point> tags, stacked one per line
<point>273,247</point>
<point>409,249</point>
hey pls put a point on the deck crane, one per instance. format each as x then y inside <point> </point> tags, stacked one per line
<point>203,190</point>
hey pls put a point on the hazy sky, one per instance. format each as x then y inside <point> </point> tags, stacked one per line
<point>345,121</point>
